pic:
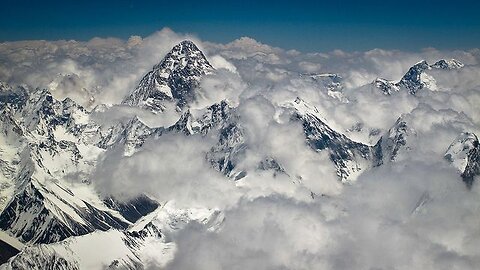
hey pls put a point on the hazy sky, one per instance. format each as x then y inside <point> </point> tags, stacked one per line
<point>303,25</point>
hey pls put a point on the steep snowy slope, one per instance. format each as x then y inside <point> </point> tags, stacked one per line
<point>417,77</point>
<point>44,207</point>
<point>146,242</point>
<point>350,158</point>
<point>390,145</point>
<point>173,80</point>
<point>464,154</point>
<point>51,153</point>
<point>10,142</point>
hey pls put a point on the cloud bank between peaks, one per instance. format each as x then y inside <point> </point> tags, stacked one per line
<point>413,213</point>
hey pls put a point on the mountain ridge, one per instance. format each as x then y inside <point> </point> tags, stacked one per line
<point>55,145</point>
<point>416,79</point>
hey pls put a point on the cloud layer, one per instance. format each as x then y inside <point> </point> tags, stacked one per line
<point>412,213</point>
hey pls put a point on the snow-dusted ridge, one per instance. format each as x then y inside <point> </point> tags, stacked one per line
<point>417,78</point>
<point>145,240</point>
<point>54,149</point>
<point>350,158</point>
<point>391,144</point>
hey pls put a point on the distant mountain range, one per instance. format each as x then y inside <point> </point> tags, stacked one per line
<point>49,149</point>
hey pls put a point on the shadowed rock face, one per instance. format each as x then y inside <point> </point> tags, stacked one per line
<point>349,157</point>
<point>390,144</point>
<point>134,209</point>
<point>172,80</point>
<point>464,154</point>
<point>30,220</point>
<point>412,80</point>
<point>6,252</point>
<point>473,166</point>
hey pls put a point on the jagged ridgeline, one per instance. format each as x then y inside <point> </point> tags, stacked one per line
<point>49,149</point>
<point>417,77</point>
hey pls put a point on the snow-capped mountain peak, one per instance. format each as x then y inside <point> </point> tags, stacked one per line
<point>388,147</point>
<point>387,87</point>
<point>173,80</point>
<point>448,64</point>
<point>464,154</point>
<point>412,80</point>
<point>416,78</point>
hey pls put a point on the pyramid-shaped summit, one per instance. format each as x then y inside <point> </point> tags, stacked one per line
<point>412,79</point>
<point>174,79</point>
